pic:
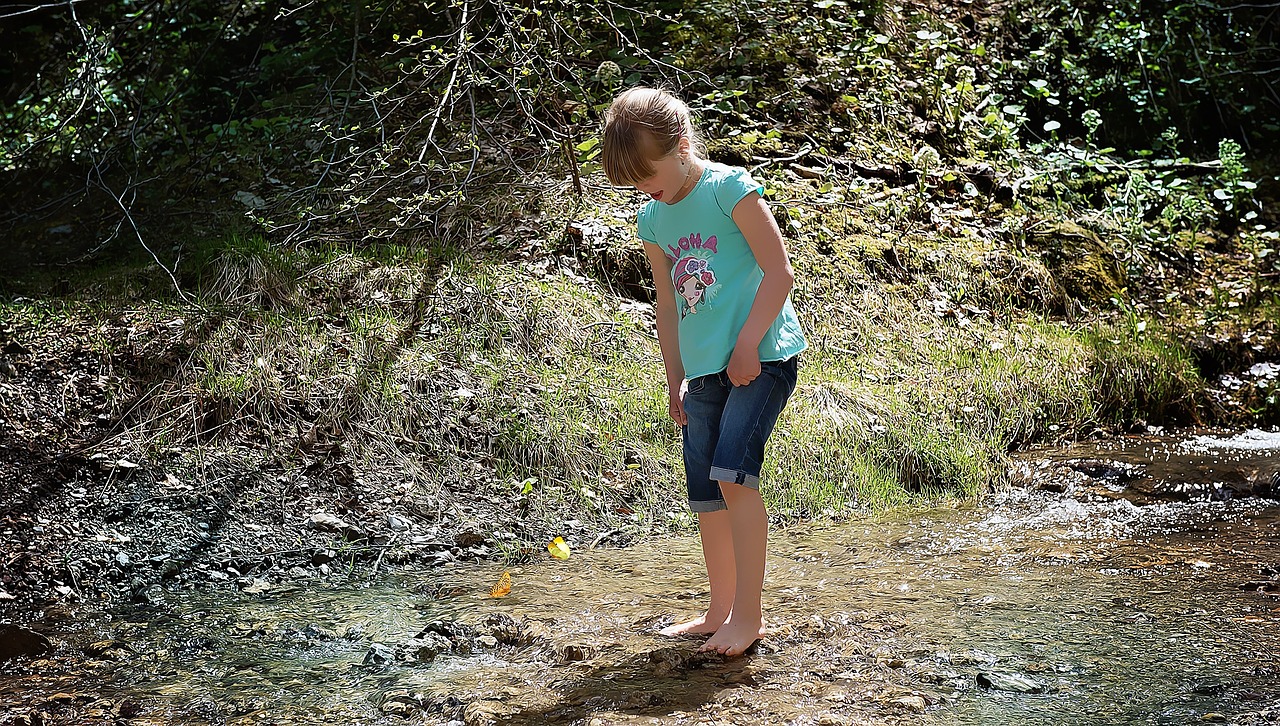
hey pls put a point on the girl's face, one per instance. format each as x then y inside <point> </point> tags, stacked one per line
<point>670,176</point>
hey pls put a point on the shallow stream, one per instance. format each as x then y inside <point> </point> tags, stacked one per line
<point>1082,597</point>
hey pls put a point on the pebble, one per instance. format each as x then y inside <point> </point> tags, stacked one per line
<point>914,703</point>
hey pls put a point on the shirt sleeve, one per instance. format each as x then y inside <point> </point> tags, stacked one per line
<point>735,185</point>
<point>644,225</point>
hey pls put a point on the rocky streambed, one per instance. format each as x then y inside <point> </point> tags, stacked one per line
<point>1134,581</point>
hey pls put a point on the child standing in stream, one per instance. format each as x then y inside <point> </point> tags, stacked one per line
<point>729,338</point>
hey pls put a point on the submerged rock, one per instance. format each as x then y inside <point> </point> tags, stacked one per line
<point>1013,682</point>
<point>379,654</point>
<point>17,642</point>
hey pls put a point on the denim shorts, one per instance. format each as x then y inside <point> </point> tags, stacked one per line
<point>727,428</point>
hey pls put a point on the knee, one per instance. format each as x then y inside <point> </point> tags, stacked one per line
<point>734,492</point>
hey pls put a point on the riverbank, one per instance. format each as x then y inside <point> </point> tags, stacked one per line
<point>331,415</point>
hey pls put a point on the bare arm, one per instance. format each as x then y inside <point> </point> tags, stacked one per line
<point>668,318</point>
<point>752,216</point>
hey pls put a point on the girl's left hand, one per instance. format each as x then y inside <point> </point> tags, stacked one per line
<point>744,366</point>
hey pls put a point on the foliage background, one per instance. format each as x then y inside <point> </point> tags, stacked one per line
<point>137,120</point>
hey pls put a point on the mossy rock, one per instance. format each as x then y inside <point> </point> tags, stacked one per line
<point>1080,262</point>
<point>742,149</point>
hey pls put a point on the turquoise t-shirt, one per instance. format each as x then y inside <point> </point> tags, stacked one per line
<point>714,272</point>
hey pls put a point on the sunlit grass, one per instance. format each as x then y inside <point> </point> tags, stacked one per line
<point>540,390</point>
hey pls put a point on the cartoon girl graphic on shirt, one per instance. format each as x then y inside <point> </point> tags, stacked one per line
<point>692,277</point>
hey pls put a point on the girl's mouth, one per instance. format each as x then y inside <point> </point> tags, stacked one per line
<point>657,196</point>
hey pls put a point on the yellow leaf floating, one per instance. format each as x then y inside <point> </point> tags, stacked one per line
<point>558,548</point>
<point>503,587</point>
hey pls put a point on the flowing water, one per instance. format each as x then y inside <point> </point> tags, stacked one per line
<point>1081,598</point>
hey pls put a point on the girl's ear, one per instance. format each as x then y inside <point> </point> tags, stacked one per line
<point>685,147</point>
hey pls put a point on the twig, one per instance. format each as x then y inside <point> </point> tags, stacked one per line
<point>453,77</point>
<point>804,150</point>
<point>38,8</point>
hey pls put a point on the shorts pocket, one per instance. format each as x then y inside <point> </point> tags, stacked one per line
<point>696,385</point>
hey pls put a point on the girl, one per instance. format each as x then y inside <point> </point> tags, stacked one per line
<point>732,366</point>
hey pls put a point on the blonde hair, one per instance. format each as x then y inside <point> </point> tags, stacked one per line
<point>639,122</point>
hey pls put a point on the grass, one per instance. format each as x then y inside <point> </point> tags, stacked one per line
<point>526,399</point>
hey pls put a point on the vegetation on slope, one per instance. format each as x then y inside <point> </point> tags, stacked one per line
<point>384,275</point>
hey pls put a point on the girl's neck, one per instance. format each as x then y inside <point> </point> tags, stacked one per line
<point>691,179</point>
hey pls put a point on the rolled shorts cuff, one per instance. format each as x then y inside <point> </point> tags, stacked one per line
<point>711,505</point>
<point>735,476</point>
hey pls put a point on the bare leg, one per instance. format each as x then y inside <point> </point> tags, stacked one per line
<point>750,532</point>
<point>717,551</point>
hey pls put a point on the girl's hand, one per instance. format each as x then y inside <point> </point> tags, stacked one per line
<point>676,408</point>
<point>744,366</point>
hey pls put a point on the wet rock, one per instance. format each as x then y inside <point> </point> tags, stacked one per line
<point>487,641</point>
<point>641,700</point>
<point>459,635</point>
<point>18,642</point>
<point>665,661</point>
<point>890,660</point>
<point>149,595</point>
<point>400,703</point>
<point>128,708</point>
<point>1214,687</point>
<point>108,649</point>
<point>312,633</point>
<point>505,629</point>
<point>58,614</point>
<point>1105,471</point>
<point>1012,682</point>
<point>430,645</point>
<point>259,586</point>
<point>572,653</point>
<point>913,703</point>
<point>379,655</point>
<point>480,713</point>
<point>59,699</point>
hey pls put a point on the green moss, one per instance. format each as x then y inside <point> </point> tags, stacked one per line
<point>1084,267</point>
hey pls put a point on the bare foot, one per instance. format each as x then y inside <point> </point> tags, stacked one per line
<point>733,639</point>
<point>699,625</point>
